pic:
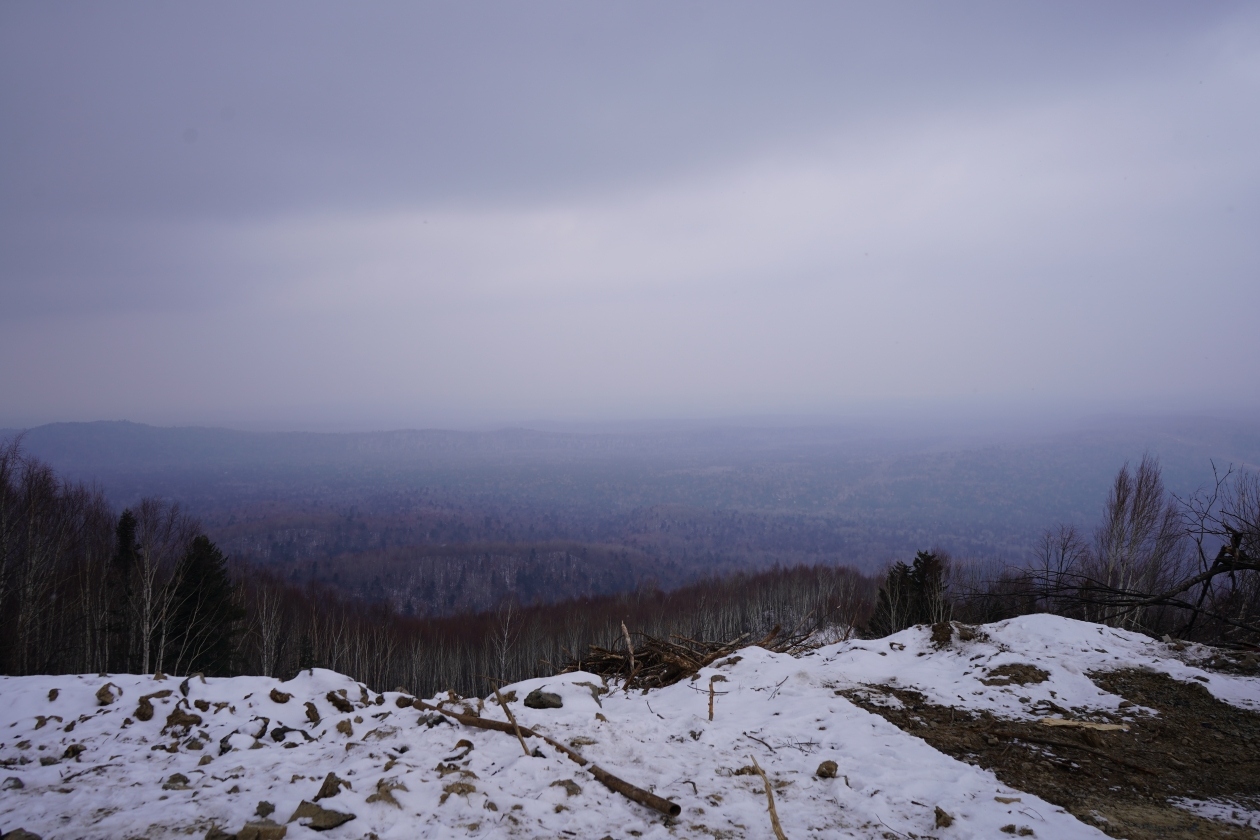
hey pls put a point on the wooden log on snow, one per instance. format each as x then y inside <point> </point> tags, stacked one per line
<point>608,780</point>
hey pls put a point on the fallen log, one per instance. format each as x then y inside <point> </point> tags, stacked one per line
<point>608,780</point>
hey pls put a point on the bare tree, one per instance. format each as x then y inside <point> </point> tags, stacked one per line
<point>507,631</point>
<point>163,533</point>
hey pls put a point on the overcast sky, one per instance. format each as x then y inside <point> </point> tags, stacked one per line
<point>302,215</point>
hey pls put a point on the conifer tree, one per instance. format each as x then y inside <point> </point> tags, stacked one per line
<point>206,619</point>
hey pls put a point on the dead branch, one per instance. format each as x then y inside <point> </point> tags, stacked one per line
<point>608,780</point>
<point>774,815</point>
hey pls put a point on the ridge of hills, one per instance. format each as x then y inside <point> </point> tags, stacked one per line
<point>370,511</point>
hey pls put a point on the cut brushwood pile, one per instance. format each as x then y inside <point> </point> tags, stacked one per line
<point>652,662</point>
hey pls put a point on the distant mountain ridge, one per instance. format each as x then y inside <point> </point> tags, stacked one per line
<point>690,500</point>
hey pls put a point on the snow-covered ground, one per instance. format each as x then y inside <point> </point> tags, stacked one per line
<point>213,750</point>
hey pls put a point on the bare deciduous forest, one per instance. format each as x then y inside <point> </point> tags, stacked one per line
<point>88,588</point>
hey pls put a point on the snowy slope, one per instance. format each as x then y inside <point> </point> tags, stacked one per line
<point>783,711</point>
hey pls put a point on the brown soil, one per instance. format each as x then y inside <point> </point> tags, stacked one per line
<point>1016,674</point>
<point>1197,747</point>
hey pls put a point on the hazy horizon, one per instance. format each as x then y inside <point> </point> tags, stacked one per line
<point>347,217</point>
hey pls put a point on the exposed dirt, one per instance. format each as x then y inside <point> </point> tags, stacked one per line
<point>1197,748</point>
<point>1016,674</point>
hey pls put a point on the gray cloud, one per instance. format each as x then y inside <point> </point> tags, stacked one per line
<point>406,214</point>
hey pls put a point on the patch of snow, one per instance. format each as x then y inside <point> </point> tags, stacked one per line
<point>1221,810</point>
<point>106,773</point>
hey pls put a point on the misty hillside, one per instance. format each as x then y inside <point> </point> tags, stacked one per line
<point>584,514</point>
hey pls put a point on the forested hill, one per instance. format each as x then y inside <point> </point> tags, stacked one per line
<point>671,502</point>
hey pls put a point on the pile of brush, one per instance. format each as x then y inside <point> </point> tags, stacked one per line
<point>643,661</point>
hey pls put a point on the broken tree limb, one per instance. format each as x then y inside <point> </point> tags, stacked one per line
<point>629,646</point>
<point>608,780</point>
<point>774,815</point>
<point>511,717</point>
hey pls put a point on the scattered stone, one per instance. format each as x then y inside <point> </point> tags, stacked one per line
<point>73,751</point>
<point>205,759</point>
<point>144,709</point>
<point>312,714</point>
<point>12,783</point>
<point>22,834</point>
<point>404,702</point>
<point>216,833</point>
<point>943,820</point>
<point>52,694</point>
<point>179,719</point>
<point>278,696</point>
<point>262,830</point>
<point>202,705</point>
<point>317,818</point>
<point>385,792</point>
<point>942,632</point>
<point>265,809</point>
<point>331,787</point>
<point>827,770</point>
<point>571,788</point>
<point>344,727</point>
<point>455,789</point>
<point>539,699</point>
<point>177,781</point>
<point>339,701</point>
<point>47,761</point>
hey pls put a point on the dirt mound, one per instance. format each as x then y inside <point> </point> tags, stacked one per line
<point>1016,673</point>
<point>1123,782</point>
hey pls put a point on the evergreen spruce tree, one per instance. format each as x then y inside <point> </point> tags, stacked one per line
<point>121,642</point>
<point>911,595</point>
<point>206,620</point>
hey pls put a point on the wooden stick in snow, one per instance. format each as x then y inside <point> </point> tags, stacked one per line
<point>774,815</point>
<point>512,718</point>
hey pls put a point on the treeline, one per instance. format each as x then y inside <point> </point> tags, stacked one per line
<point>1156,563</point>
<point>84,590</point>
<point>296,627</point>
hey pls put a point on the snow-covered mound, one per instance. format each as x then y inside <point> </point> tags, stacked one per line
<point>134,756</point>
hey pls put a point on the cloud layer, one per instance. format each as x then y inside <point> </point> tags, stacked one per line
<point>305,215</point>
